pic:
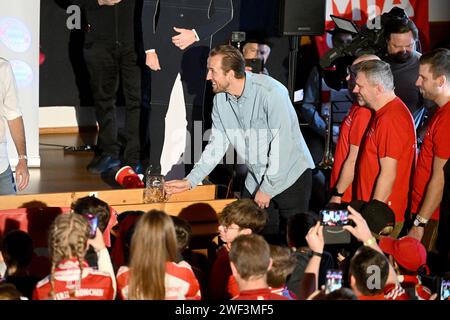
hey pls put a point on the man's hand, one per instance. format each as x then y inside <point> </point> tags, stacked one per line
<point>184,39</point>
<point>361,230</point>
<point>416,233</point>
<point>97,243</point>
<point>152,61</point>
<point>262,199</point>
<point>22,175</point>
<point>177,186</point>
<point>108,2</point>
<point>335,199</point>
<point>315,238</point>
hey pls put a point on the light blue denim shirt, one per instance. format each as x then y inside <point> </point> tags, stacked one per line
<point>263,128</point>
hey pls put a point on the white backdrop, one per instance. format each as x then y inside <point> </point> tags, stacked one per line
<point>19,43</point>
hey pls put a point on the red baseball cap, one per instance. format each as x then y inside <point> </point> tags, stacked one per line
<point>407,251</point>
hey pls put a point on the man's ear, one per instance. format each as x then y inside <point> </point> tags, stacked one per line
<point>233,270</point>
<point>442,81</point>
<point>246,231</point>
<point>270,264</point>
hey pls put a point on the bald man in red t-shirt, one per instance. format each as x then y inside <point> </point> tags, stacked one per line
<point>388,153</point>
<point>434,84</point>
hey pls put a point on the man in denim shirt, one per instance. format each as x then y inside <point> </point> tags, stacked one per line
<point>254,114</point>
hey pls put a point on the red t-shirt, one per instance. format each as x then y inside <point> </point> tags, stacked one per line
<point>95,285</point>
<point>259,294</point>
<point>391,134</point>
<point>180,282</point>
<point>221,283</point>
<point>436,143</point>
<point>352,131</point>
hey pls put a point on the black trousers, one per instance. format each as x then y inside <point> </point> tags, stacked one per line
<point>288,203</point>
<point>107,64</point>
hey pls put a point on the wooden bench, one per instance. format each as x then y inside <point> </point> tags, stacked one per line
<point>112,197</point>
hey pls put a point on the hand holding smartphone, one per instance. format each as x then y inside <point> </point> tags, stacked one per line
<point>334,218</point>
<point>334,280</point>
<point>93,222</point>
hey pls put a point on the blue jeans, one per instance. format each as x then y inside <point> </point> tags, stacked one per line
<point>7,184</point>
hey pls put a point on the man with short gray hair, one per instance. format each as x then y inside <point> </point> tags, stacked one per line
<point>388,153</point>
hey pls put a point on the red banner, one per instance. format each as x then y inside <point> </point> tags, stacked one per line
<point>360,11</point>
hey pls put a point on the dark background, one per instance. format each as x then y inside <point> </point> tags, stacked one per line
<point>63,77</point>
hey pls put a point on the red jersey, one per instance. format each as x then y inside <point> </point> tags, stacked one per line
<point>95,285</point>
<point>391,134</point>
<point>180,282</point>
<point>435,144</point>
<point>259,294</point>
<point>222,284</point>
<point>390,292</point>
<point>352,131</point>
<point>415,287</point>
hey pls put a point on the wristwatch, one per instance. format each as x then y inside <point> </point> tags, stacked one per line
<point>420,221</point>
<point>336,193</point>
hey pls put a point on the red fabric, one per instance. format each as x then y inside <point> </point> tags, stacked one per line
<point>376,297</point>
<point>95,285</point>
<point>417,10</point>
<point>410,253</point>
<point>391,134</point>
<point>222,285</point>
<point>352,131</point>
<point>180,281</point>
<point>117,253</point>
<point>422,292</point>
<point>395,292</point>
<point>436,143</point>
<point>259,294</point>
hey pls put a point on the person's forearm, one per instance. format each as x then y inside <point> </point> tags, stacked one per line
<point>347,175</point>
<point>17,131</point>
<point>433,196</point>
<point>105,265</point>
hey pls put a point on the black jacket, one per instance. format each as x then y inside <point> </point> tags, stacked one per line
<point>111,24</point>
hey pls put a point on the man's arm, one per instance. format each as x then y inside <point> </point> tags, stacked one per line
<point>17,131</point>
<point>433,195</point>
<point>347,173</point>
<point>211,156</point>
<point>94,4</point>
<point>218,18</point>
<point>386,179</point>
<point>308,109</point>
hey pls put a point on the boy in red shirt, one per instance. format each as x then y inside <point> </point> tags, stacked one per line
<point>250,261</point>
<point>387,156</point>
<point>240,217</point>
<point>434,84</point>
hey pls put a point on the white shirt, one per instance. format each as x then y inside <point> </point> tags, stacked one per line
<point>9,107</point>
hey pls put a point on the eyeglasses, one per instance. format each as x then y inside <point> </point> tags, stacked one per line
<point>225,228</point>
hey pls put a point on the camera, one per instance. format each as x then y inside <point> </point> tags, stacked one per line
<point>93,223</point>
<point>256,64</point>
<point>366,40</point>
<point>334,218</point>
<point>445,289</point>
<point>334,280</point>
<point>237,36</point>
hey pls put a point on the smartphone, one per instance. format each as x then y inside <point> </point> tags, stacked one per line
<point>93,222</point>
<point>445,289</point>
<point>334,280</point>
<point>256,65</point>
<point>334,217</point>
